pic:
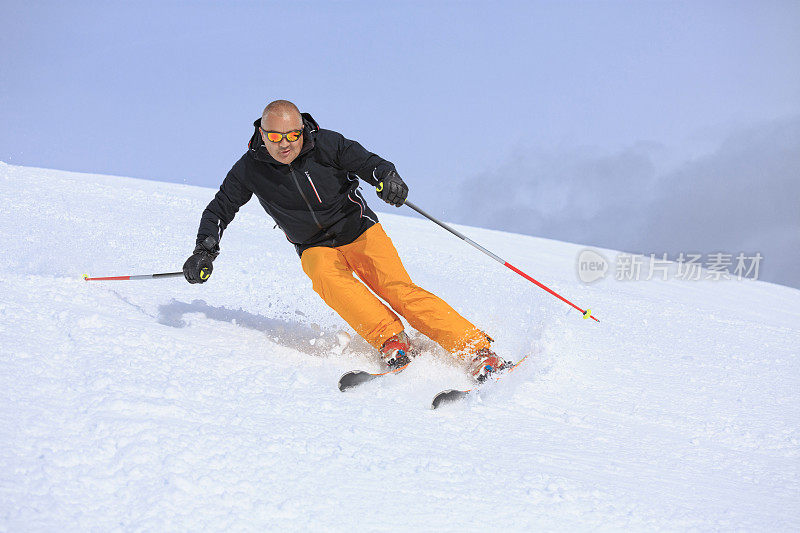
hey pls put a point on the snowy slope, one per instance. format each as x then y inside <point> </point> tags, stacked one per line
<point>159,405</point>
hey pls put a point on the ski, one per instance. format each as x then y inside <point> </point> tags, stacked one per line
<point>354,378</point>
<point>454,395</point>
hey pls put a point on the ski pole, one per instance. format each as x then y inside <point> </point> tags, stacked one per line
<point>586,314</point>
<point>143,276</point>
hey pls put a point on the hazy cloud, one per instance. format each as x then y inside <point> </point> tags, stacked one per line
<point>743,197</point>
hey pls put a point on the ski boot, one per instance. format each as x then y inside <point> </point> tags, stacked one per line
<point>486,362</point>
<point>395,351</point>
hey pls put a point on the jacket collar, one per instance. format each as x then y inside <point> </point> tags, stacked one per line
<point>259,151</point>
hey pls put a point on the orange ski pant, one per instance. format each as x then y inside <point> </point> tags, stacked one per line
<point>373,257</point>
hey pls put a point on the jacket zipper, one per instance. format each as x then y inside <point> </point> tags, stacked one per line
<point>313,186</point>
<point>297,184</point>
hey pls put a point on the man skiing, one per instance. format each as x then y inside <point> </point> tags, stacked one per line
<point>307,180</point>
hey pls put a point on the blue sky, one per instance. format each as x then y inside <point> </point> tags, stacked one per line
<point>596,122</point>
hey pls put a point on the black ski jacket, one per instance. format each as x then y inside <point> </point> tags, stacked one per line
<point>315,200</point>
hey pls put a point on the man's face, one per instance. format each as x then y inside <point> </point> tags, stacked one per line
<point>284,151</point>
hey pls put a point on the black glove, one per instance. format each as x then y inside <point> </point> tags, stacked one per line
<point>391,188</point>
<point>198,268</point>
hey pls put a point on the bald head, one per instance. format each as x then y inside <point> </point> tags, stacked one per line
<point>282,116</point>
<point>280,108</point>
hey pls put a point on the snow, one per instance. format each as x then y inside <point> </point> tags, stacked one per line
<point>159,405</point>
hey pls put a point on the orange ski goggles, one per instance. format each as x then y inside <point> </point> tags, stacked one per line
<point>276,136</point>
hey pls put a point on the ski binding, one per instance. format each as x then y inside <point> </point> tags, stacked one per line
<point>454,395</point>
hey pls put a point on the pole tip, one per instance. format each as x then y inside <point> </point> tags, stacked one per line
<point>86,277</point>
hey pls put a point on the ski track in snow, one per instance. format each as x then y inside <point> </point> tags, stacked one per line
<point>159,405</point>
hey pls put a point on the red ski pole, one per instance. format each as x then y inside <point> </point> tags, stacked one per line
<point>143,276</point>
<point>586,314</point>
